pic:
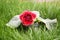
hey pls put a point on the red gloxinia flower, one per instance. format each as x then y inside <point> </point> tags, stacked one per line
<point>27,18</point>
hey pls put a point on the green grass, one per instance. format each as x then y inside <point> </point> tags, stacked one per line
<point>10,8</point>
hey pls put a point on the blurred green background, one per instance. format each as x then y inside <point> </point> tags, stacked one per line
<point>10,8</point>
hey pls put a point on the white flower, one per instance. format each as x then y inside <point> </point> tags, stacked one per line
<point>14,22</point>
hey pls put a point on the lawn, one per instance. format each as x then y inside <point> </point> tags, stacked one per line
<point>10,8</point>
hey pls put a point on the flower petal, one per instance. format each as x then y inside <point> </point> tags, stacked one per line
<point>37,14</point>
<point>14,22</point>
<point>48,22</point>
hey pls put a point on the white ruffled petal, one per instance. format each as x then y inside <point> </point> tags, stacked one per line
<point>37,14</point>
<point>48,22</point>
<point>14,22</point>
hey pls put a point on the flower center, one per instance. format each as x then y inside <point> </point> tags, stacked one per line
<point>27,17</point>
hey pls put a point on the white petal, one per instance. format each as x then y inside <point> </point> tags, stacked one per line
<point>48,22</point>
<point>37,13</point>
<point>14,22</point>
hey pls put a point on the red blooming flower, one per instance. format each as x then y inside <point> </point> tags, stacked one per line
<point>27,18</point>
